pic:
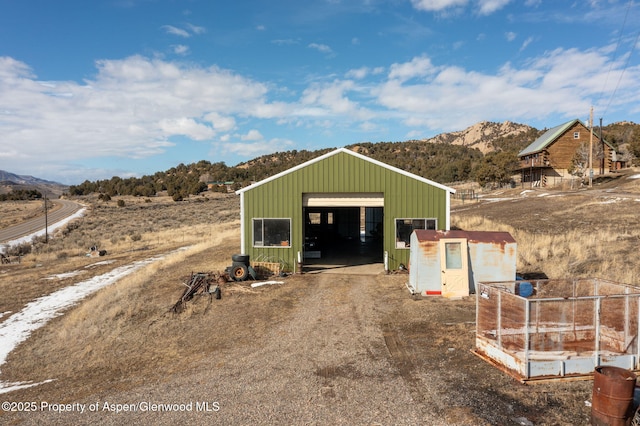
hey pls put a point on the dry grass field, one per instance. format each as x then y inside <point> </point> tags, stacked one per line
<point>12,212</point>
<point>583,233</point>
<point>319,349</point>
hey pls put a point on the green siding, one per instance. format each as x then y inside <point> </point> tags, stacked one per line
<point>404,197</point>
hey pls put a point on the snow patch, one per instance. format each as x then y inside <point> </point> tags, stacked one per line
<point>64,275</point>
<point>52,227</point>
<point>612,200</point>
<point>18,327</point>
<point>635,176</point>
<point>266,283</point>
<point>10,387</point>
<point>103,262</point>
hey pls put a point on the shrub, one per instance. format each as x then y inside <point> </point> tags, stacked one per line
<point>121,203</point>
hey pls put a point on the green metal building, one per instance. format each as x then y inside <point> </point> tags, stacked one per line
<point>341,208</point>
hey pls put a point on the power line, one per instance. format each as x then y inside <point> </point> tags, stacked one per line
<point>626,65</point>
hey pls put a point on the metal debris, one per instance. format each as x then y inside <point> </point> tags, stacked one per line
<point>201,283</point>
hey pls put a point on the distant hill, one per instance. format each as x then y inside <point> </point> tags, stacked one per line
<point>10,181</point>
<point>485,152</point>
<point>483,135</point>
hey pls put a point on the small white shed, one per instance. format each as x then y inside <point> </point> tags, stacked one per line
<point>451,263</point>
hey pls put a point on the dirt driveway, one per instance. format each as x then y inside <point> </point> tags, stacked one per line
<point>326,349</point>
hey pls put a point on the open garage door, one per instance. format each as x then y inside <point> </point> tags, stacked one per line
<point>342,229</point>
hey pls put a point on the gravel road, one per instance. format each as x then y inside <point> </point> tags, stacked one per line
<point>336,349</point>
<point>327,363</point>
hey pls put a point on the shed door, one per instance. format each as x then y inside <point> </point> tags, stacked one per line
<point>455,267</point>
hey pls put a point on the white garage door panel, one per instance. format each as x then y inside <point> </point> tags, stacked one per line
<point>350,199</point>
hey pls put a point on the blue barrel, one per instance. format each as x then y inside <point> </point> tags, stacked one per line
<point>525,289</point>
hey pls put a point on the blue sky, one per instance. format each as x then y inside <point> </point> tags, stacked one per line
<point>102,88</point>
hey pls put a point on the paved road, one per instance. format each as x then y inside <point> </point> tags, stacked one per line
<point>66,209</point>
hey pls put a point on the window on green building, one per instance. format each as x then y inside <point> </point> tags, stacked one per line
<point>271,232</point>
<point>404,228</point>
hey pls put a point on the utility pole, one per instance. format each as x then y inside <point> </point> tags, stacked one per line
<point>46,220</point>
<point>602,162</point>
<point>591,149</point>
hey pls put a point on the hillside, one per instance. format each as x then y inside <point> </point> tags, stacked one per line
<point>485,152</point>
<point>11,182</point>
<point>482,136</point>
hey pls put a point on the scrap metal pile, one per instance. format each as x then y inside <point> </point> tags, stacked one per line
<point>201,283</point>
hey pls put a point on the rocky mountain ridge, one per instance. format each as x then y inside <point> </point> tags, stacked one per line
<point>481,135</point>
<point>10,181</point>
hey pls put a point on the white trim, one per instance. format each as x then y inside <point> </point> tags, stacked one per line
<point>343,199</point>
<point>242,227</point>
<point>447,224</point>
<point>355,154</point>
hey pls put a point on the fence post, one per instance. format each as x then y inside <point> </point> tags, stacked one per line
<point>596,352</point>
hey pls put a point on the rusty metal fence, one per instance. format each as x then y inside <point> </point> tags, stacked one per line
<point>562,328</point>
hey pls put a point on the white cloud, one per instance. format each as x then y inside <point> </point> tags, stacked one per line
<point>221,123</point>
<point>437,5</point>
<point>196,29</point>
<point>131,108</point>
<point>187,127</point>
<point>359,73</point>
<point>180,49</point>
<point>259,148</point>
<point>286,41</point>
<point>333,99</point>
<point>417,67</point>
<point>170,29</point>
<point>487,7</point>
<point>320,48</point>
<point>184,33</point>
<point>253,135</point>
<point>484,7</point>
<point>139,107</point>
<point>526,43</point>
<point>510,35</point>
<point>451,98</point>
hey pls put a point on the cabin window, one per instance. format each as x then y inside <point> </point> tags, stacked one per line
<point>576,135</point>
<point>271,232</point>
<point>404,228</point>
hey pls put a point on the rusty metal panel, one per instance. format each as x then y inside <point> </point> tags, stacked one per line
<point>492,257</point>
<point>492,261</point>
<point>424,267</point>
<point>569,327</point>
<point>497,237</point>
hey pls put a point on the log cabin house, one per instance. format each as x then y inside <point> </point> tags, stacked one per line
<point>548,160</point>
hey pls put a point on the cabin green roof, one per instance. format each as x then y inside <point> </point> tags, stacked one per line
<point>547,138</point>
<point>550,136</point>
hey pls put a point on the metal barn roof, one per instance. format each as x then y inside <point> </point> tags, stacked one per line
<point>355,154</point>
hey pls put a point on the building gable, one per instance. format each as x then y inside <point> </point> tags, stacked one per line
<point>340,178</point>
<point>349,152</point>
